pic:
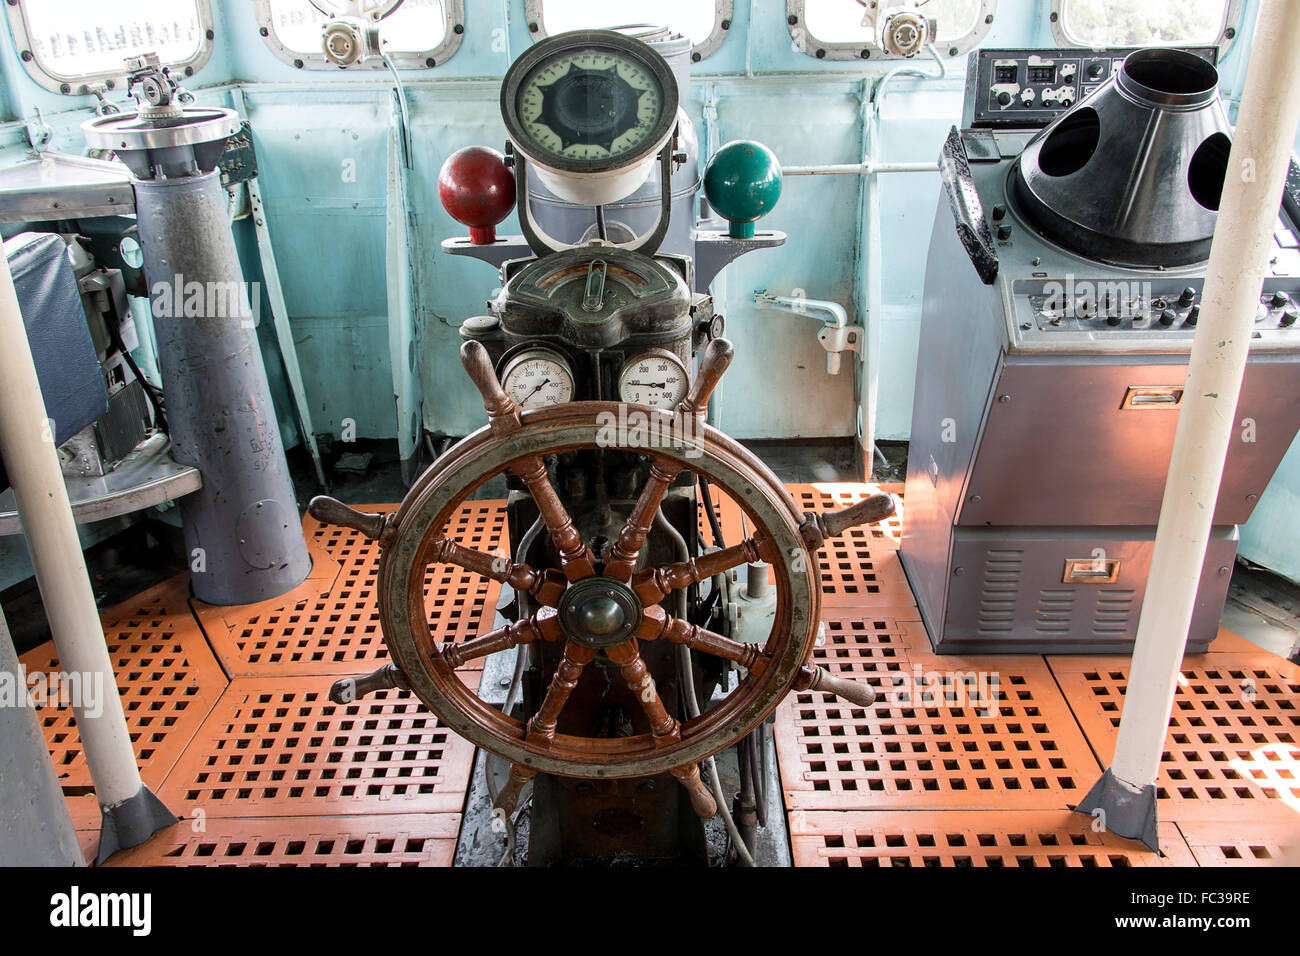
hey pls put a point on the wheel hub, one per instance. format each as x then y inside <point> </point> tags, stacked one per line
<point>599,612</point>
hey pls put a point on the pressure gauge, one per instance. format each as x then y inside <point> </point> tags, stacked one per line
<point>538,377</point>
<point>656,378</point>
<point>590,110</point>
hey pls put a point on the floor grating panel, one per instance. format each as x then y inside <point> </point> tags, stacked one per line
<point>379,840</point>
<point>330,623</point>
<point>1242,842</point>
<point>166,674</point>
<point>947,732</point>
<point>1034,838</point>
<point>278,746</point>
<point>1233,745</point>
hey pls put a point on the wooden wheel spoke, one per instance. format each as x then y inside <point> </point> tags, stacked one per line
<point>631,539</point>
<point>658,625</point>
<point>663,726</point>
<point>508,798</point>
<point>546,587</point>
<point>527,631</point>
<point>541,728</point>
<point>654,584</point>
<point>575,556</point>
<point>816,528</point>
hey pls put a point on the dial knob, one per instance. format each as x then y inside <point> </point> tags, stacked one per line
<point>1114,320</point>
<point>1004,98</point>
<point>1168,317</point>
<point>1096,70</point>
<point>1187,297</point>
<point>1004,231</point>
<point>1279,300</point>
<point>1289,316</point>
<point>1027,96</point>
<point>1067,101</point>
<point>1193,315</point>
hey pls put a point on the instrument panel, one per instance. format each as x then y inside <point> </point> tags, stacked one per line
<point>1026,88</point>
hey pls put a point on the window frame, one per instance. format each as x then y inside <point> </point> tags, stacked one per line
<point>1228,29</point>
<point>820,49</point>
<point>454,34</point>
<point>723,11</point>
<point>79,84</point>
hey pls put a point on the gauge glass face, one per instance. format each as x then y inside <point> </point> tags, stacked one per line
<point>657,379</point>
<point>535,379</point>
<point>590,107</point>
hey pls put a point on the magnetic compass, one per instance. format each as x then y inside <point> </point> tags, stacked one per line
<point>590,110</point>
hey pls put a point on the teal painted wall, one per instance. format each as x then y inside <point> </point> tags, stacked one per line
<point>329,229</point>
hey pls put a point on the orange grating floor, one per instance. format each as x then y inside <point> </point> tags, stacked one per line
<point>229,713</point>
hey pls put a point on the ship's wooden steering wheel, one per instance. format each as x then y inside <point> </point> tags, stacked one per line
<point>611,608</point>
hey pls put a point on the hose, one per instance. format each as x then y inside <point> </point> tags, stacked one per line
<point>692,700</point>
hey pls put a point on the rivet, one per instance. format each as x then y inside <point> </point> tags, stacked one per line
<point>959,571</point>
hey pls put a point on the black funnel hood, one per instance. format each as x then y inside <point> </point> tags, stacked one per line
<point>1132,174</point>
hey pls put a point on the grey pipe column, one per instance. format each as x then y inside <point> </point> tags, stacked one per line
<point>243,535</point>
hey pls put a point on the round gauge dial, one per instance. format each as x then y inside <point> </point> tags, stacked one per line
<point>535,378</point>
<point>656,378</point>
<point>589,101</point>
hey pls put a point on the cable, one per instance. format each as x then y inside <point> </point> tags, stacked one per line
<point>706,496</point>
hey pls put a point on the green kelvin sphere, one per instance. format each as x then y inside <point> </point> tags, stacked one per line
<point>743,183</point>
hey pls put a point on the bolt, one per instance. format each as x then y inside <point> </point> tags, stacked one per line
<point>792,19</point>
<point>1004,398</point>
<point>533,27</point>
<point>458,28</point>
<point>959,571</point>
<point>264,31</point>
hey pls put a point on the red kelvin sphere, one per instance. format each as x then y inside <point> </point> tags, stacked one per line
<point>478,190</point>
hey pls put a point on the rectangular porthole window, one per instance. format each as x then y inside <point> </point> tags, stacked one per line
<point>415,34</point>
<point>705,23</point>
<point>849,30</point>
<point>67,44</point>
<point>1135,23</point>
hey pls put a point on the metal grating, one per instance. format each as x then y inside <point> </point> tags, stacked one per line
<point>277,746</point>
<point>1242,842</point>
<point>950,733</point>
<point>1233,747</point>
<point>330,623</point>
<point>397,840</point>
<point>1033,838</point>
<point>166,675</point>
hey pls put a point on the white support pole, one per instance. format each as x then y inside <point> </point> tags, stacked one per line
<point>1248,210</point>
<point>27,443</point>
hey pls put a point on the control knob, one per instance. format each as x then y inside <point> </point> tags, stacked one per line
<point>1279,300</point>
<point>1027,96</point>
<point>1193,316</point>
<point>1289,316</point>
<point>1004,98</point>
<point>1188,297</point>
<point>1168,317</point>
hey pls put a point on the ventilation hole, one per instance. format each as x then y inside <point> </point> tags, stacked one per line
<point>1208,169</point>
<point>1068,148</point>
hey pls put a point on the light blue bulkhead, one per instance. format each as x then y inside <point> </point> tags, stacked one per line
<point>322,142</point>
